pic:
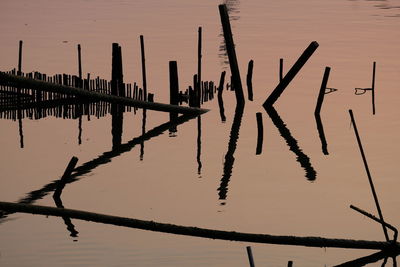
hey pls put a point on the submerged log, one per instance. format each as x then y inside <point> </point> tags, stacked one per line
<point>22,82</point>
<point>199,232</point>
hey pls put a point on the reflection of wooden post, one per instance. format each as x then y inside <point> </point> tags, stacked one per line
<point>322,91</point>
<point>373,88</point>
<point>249,80</point>
<point>291,74</point>
<point>260,133</point>
<point>20,59</point>
<point>220,99</point>
<point>66,176</point>
<point>230,47</point>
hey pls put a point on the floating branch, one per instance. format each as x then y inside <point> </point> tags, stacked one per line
<point>291,74</point>
<point>22,82</point>
<point>371,183</point>
<point>199,232</point>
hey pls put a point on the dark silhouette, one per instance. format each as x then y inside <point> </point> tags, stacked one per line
<point>104,158</point>
<point>260,133</point>
<point>220,99</point>
<point>229,157</point>
<point>321,134</point>
<point>198,157</point>
<point>302,158</point>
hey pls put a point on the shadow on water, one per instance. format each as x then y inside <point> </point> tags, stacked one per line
<point>104,158</point>
<point>302,158</point>
<point>229,157</point>
<point>321,134</point>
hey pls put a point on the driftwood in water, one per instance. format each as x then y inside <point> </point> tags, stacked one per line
<point>22,82</point>
<point>199,232</point>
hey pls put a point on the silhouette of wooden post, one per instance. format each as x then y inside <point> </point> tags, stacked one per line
<point>280,69</point>
<point>250,255</point>
<point>19,73</point>
<point>143,68</point>
<point>115,72</point>
<point>249,78</point>
<point>290,263</point>
<point>173,83</point>
<point>230,47</point>
<point>373,88</point>
<point>66,176</point>
<point>79,62</point>
<point>321,94</point>
<point>371,183</point>
<point>260,133</point>
<point>199,59</point>
<point>291,74</point>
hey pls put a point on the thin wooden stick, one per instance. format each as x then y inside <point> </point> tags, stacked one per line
<point>371,183</point>
<point>66,176</point>
<point>143,68</point>
<point>321,94</point>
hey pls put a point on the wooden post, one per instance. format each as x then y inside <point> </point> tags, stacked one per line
<point>79,62</point>
<point>143,68</point>
<point>19,73</point>
<point>250,255</point>
<point>249,80</point>
<point>66,176</point>
<point>114,69</point>
<point>280,69</point>
<point>322,91</point>
<point>290,263</point>
<point>291,74</point>
<point>173,83</point>
<point>260,133</point>
<point>371,183</point>
<point>199,57</point>
<point>230,47</point>
<point>373,88</point>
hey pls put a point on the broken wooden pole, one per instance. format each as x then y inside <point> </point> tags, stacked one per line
<point>250,256</point>
<point>371,183</point>
<point>291,74</point>
<point>321,94</point>
<point>79,62</point>
<point>230,48</point>
<point>143,68</point>
<point>19,73</point>
<point>249,82</point>
<point>198,232</point>
<point>66,176</point>
<point>22,82</point>
<point>373,88</point>
<point>260,133</point>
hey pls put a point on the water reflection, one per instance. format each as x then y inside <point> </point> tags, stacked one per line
<point>102,159</point>
<point>373,258</point>
<point>321,134</point>
<point>302,158</point>
<point>117,121</point>
<point>198,157</point>
<point>229,157</point>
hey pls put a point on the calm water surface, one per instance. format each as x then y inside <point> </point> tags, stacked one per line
<point>184,178</point>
